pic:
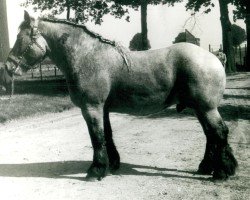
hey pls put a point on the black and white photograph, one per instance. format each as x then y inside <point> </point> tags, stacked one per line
<point>124,100</point>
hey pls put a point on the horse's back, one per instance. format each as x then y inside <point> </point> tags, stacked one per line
<point>183,73</point>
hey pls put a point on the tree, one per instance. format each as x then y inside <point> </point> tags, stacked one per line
<point>243,12</point>
<point>95,10</point>
<point>238,35</point>
<point>143,4</point>
<point>4,34</point>
<point>225,25</point>
<point>136,43</point>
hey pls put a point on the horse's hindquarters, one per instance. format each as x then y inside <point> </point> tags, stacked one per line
<point>200,78</point>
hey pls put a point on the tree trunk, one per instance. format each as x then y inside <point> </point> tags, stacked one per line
<point>4,34</point>
<point>227,36</point>
<point>68,9</point>
<point>144,29</point>
<point>248,40</point>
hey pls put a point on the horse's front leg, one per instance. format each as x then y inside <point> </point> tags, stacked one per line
<point>94,119</point>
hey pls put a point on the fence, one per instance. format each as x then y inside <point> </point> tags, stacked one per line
<point>44,70</point>
<point>240,53</point>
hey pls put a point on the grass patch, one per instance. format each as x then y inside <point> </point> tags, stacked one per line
<point>33,97</point>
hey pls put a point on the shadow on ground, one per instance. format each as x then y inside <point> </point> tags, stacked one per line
<point>72,169</point>
<point>228,113</point>
<point>227,96</point>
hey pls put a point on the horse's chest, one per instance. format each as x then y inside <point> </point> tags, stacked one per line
<point>89,89</point>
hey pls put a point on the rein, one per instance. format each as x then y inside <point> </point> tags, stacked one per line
<point>123,55</point>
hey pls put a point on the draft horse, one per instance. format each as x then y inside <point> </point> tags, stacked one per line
<point>103,77</point>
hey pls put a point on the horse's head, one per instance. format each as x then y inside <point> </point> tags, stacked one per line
<point>29,49</point>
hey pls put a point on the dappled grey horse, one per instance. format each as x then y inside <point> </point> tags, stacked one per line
<point>103,77</point>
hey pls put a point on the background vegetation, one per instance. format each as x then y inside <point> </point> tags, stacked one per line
<point>33,96</point>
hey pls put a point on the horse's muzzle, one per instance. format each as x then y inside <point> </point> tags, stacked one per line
<point>18,71</point>
<point>13,69</point>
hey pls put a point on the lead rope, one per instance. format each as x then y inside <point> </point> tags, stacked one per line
<point>123,55</point>
<point>12,86</point>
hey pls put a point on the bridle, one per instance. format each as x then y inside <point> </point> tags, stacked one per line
<point>18,61</point>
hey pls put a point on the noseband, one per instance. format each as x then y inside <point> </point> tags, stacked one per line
<point>18,60</point>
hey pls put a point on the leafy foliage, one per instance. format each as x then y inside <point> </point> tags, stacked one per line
<point>197,4</point>
<point>152,2</point>
<point>84,10</point>
<point>93,10</point>
<point>136,43</point>
<point>241,9</point>
<point>238,35</point>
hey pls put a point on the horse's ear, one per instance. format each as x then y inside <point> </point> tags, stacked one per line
<point>26,17</point>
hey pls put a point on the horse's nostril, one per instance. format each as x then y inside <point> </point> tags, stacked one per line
<point>9,66</point>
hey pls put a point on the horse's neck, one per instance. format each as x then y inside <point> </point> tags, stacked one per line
<point>63,41</point>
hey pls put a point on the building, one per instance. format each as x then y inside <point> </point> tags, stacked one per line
<point>187,37</point>
<point>4,35</point>
<point>191,38</point>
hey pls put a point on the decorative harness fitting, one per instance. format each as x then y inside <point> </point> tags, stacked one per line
<point>18,61</point>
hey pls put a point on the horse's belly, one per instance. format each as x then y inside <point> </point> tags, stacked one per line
<point>137,104</point>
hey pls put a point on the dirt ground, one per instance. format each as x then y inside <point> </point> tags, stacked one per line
<point>46,157</point>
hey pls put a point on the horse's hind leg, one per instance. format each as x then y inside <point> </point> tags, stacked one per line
<point>113,155</point>
<point>218,157</point>
<point>94,119</point>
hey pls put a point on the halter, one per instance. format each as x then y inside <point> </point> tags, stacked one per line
<point>19,60</point>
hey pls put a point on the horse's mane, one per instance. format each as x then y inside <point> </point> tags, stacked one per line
<point>118,47</point>
<point>86,30</point>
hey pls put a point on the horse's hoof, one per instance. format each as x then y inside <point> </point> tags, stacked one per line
<point>90,178</point>
<point>96,173</point>
<point>220,176</point>
<point>226,166</point>
<point>205,168</point>
<point>204,172</point>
